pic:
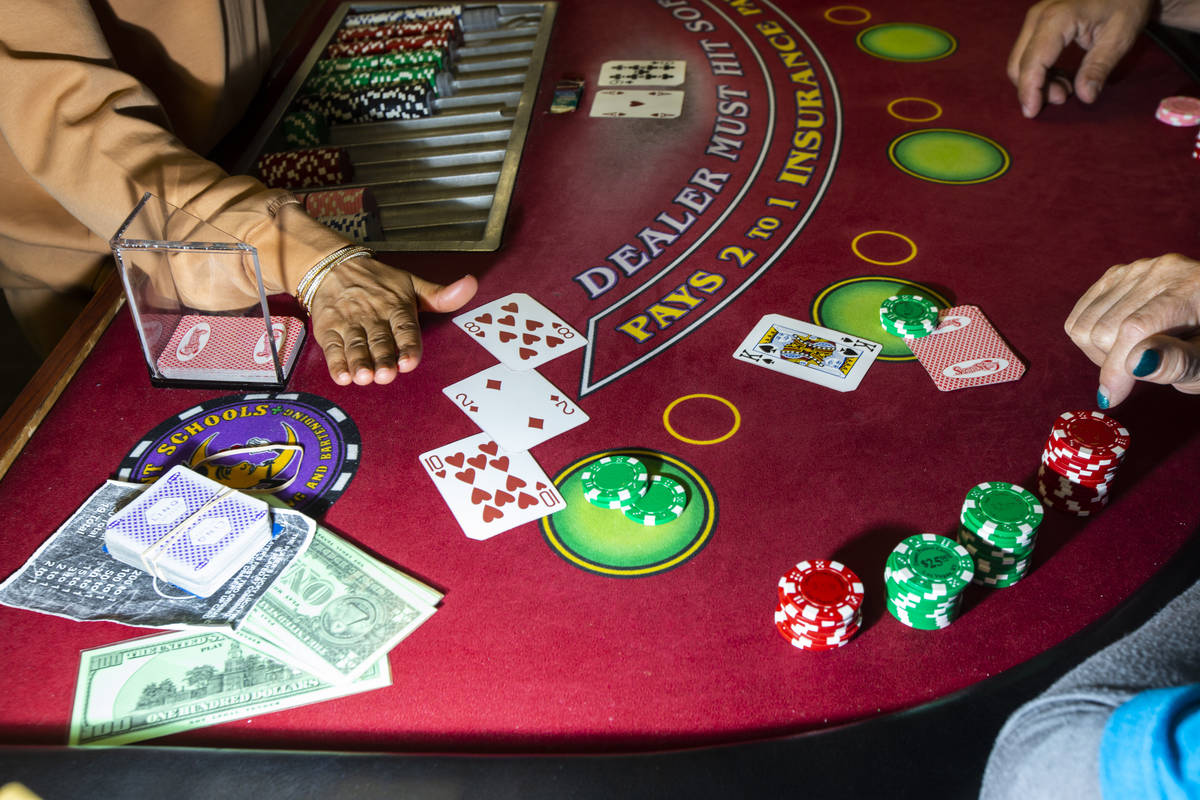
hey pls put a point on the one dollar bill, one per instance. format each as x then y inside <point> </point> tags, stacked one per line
<point>152,686</point>
<point>336,610</point>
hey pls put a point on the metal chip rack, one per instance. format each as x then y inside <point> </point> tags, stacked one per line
<point>443,182</point>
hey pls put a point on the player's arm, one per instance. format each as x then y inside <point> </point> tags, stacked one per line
<point>96,139</point>
<point>1141,321</point>
<point>1106,29</point>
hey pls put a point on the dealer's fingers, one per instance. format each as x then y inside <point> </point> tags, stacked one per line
<point>1112,42</point>
<point>1050,30</point>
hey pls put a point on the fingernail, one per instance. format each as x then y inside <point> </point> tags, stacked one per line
<point>1093,90</point>
<point>1148,363</point>
<point>1102,398</point>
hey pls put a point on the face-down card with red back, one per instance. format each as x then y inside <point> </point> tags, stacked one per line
<point>965,350</point>
<point>488,489</point>
<point>519,331</point>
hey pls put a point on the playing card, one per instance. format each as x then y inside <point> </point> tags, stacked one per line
<point>518,409</point>
<point>490,490</point>
<point>809,352</point>
<point>519,331</point>
<point>658,72</point>
<point>229,348</point>
<point>965,350</point>
<point>637,103</point>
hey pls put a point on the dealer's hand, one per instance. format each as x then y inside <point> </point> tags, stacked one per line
<point>1106,29</point>
<point>364,317</point>
<point>1141,321</point>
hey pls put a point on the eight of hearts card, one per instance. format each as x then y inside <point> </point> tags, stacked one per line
<point>490,490</point>
<point>808,352</point>
<point>519,331</point>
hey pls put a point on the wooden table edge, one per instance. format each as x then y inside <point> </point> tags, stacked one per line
<point>47,384</point>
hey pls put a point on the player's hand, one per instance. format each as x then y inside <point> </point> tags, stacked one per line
<point>1106,29</point>
<point>364,317</point>
<point>1141,321</point>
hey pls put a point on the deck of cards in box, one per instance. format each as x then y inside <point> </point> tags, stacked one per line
<point>189,531</point>
<point>197,300</point>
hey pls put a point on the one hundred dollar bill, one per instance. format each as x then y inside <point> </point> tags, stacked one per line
<point>152,686</point>
<point>336,610</point>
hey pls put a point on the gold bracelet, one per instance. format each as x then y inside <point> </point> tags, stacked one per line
<point>319,267</point>
<point>315,282</point>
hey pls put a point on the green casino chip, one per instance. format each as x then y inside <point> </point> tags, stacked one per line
<point>663,502</point>
<point>614,481</point>
<point>931,563</point>
<point>1002,513</point>
<point>908,315</point>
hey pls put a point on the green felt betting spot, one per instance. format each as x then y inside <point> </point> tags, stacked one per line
<point>906,41</point>
<point>944,155</point>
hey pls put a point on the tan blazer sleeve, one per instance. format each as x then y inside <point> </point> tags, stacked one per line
<point>96,139</point>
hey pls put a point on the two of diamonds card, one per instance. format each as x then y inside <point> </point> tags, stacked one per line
<point>809,352</point>
<point>517,409</point>
<point>488,490</point>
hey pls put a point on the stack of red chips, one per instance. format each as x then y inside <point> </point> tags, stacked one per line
<point>820,605</point>
<point>1080,461</point>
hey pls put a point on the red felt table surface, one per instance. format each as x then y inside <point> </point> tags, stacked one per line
<point>529,652</point>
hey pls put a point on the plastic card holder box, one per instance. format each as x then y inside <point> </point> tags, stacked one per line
<point>189,531</point>
<point>197,300</point>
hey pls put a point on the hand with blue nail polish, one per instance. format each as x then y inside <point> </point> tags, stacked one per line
<point>1141,322</point>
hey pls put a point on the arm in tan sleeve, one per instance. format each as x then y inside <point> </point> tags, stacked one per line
<point>96,139</point>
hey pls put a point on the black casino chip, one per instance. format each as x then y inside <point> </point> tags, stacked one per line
<point>297,446</point>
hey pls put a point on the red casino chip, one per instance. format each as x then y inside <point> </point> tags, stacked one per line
<point>822,590</point>
<point>1087,433</point>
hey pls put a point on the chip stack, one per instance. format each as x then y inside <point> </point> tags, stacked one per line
<point>999,529</point>
<point>1180,112</point>
<point>398,60</point>
<point>337,202</point>
<point>365,47</point>
<point>359,227</point>
<point>348,81</point>
<point>395,101</point>
<point>411,14</point>
<point>392,30</point>
<point>305,129</point>
<point>925,577</point>
<point>302,169</point>
<point>1080,461</point>
<point>820,605</point>
<point>624,483</point>
<point>908,316</point>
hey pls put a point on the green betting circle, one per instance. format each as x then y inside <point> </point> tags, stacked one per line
<point>946,155</point>
<point>906,41</point>
<point>852,306</point>
<point>604,541</point>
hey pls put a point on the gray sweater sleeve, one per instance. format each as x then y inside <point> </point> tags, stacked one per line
<point>1049,747</point>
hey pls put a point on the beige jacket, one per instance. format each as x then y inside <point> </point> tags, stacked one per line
<point>105,100</point>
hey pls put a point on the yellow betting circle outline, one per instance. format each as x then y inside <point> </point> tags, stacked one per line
<point>892,111</point>
<point>866,15</point>
<point>737,419</point>
<point>702,536</point>
<point>911,243</point>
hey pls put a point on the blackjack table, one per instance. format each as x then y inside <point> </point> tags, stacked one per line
<point>824,158</point>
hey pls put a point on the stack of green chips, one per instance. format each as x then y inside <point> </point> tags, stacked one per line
<point>908,316</point>
<point>999,529</point>
<point>347,81</point>
<point>624,483</point>
<point>396,59</point>
<point>925,577</point>
<point>305,129</point>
